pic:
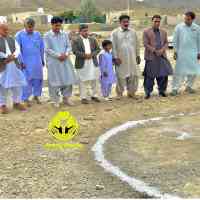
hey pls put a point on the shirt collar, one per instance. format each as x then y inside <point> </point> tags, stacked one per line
<point>83,38</point>
<point>27,32</point>
<point>54,34</point>
<point>122,30</point>
<point>189,26</point>
<point>156,29</point>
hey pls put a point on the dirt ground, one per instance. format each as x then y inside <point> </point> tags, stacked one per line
<point>158,154</point>
<point>28,170</point>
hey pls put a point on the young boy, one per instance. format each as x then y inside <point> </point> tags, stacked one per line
<point>107,77</point>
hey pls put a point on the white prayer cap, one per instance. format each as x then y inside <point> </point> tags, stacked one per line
<point>3,19</point>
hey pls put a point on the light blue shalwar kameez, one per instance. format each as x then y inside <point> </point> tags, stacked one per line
<point>61,75</point>
<point>187,45</point>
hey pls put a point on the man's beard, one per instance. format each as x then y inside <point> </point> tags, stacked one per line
<point>125,27</point>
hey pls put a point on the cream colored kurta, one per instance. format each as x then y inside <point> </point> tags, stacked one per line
<point>89,72</point>
<point>126,47</point>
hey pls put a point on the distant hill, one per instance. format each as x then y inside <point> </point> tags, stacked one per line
<point>23,5</point>
<point>174,3</point>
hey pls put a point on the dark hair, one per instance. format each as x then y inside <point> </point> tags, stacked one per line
<point>190,14</point>
<point>105,43</point>
<point>122,17</point>
<point>29,21</point>
<point>82,26</point>
<point>56,20</point>
<point>156,17</point>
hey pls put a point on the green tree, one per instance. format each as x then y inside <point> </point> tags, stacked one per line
<point>88,9</point>
<point>68,16</point>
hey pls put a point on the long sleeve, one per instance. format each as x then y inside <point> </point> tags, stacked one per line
<point>18,39</point>
<point>102,63</point>
<point>2,55</point>
<point>97,48</point>
<point>114,48</point>
<point>76,51</point>
<point>69,46</point>
<point>176,39</point>
<point>137,45</point>
<point>48,49</point>
<point>198,40</point>
<point>146,42</point>
<point>165,46</point>
<point>42,48</point>
<point>17,50</point>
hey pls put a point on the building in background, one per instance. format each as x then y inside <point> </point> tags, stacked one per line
<point>39,16</point>
<point>174,20</point>
<point>113,16</point>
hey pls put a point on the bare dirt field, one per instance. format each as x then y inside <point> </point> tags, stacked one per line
<point>27,169</point>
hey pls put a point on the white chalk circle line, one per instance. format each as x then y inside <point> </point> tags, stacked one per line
<point>135,183</point>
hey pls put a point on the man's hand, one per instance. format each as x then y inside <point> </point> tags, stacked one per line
<point>105,74</point>
<point>66,56</point>
<point>159,52</point>
<point>88,56</point>
<point>175,56</point>
<point>22,65</point>
<point>138,60</point>
<point>63,57</point>
<point>10,58</point>
<point>118,61</point>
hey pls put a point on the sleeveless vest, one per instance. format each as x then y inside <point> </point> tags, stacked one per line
<point>11,44</point>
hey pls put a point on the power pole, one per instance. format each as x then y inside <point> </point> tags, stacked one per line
<point>128,7</point>
<point>18,3</point>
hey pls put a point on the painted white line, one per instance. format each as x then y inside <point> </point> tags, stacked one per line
<point>135,183</point>
<point>183,136</point>
<point>180,135</point>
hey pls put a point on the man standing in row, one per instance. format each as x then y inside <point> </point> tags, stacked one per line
<point>86,50</point>
<point>126,53</point>
<point>32,60</point>
<point>157,65</point>
<point>11,77</point>
<point>61,75</point>
<point>187,53</point>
